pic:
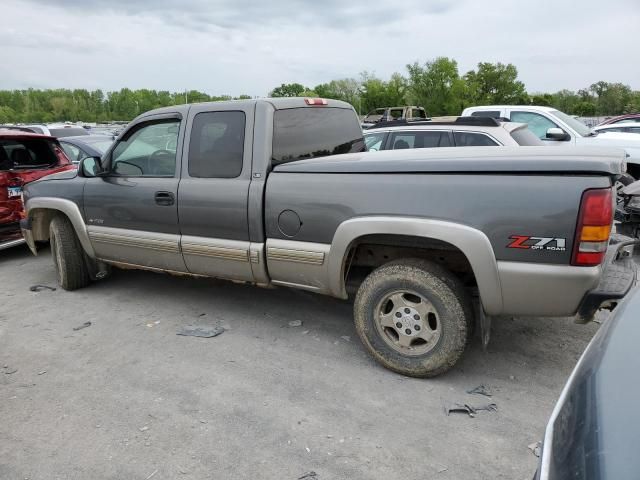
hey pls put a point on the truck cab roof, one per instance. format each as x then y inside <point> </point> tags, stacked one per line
<point>280,103</point>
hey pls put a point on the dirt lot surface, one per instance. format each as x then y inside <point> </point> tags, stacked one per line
<point>127,398</point>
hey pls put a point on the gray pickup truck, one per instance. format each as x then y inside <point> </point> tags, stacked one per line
<point>280,192</point>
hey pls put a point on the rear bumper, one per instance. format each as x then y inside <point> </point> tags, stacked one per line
<point>619,274</point>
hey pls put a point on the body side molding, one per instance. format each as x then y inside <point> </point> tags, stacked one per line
<point>472,242</point>
<point>298,264</point>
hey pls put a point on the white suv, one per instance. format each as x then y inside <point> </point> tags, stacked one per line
<point>461,132</point>
<point>557,128</point>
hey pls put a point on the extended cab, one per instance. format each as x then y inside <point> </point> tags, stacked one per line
<point>280,192</point>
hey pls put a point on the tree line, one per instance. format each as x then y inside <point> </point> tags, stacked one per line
<point>436,85</point>
<point>54,105</point>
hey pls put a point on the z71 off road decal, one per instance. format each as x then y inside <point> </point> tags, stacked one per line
<point>538,243</point>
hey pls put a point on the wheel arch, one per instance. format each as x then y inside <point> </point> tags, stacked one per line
<point>41,210</point>
<point>473,244</point>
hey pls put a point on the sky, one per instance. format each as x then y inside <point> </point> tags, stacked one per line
<point>249,47</point>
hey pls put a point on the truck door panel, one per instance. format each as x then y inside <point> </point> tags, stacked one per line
<point>131,213</point>
<point>213,193</point>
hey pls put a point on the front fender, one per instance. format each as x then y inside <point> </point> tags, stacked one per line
<point>471,242</point>
<point>39,212</point>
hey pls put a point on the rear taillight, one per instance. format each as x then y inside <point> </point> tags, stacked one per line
<point>316,101</point>
<point>594,227</point>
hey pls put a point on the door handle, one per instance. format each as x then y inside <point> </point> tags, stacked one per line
<point>164,198</point>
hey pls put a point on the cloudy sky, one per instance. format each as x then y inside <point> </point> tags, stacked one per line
<point>250,46</point>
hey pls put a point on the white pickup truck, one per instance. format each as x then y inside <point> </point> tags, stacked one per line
<point>558,128</point>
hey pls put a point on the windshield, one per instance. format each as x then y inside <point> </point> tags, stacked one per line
<point>580,128</point>
<point>101,145</point>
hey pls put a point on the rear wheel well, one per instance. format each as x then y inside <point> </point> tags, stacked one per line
<point>372,251</point>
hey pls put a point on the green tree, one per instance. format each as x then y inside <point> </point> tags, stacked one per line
<point>7,115</point>
<point>584,109</point>
<point>288,90</point>
<point>432,86</point>
<point>495,83</point>
<point>541,99</point>
<point>612,98</point>
<point>376,93</point>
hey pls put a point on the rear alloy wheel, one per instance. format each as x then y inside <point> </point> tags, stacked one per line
<point>68,255</point>
<point>408,322</point>
<point>414,317</point>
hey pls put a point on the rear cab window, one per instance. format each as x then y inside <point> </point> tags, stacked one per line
<point>311,132</point>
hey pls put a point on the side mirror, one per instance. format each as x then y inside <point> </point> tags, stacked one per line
<point>558,134</point>
<point>91,167</point>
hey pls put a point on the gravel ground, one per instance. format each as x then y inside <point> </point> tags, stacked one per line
<point>126,398</point>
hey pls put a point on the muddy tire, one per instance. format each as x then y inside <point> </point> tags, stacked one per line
<point>68,255</point>
<point>414,317</point>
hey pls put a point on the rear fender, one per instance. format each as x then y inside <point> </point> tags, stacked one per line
<point>472,242</point>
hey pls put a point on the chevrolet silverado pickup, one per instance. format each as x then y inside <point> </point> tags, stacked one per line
<point>281,192</point>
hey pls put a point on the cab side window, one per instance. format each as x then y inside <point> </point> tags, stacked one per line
<point>72,151</point>
<point>536,122</point>
<point>374,141</point>
<point>470,139</point>
<point>216,147</point>
<point>423,139</point>
<point>150,151</point>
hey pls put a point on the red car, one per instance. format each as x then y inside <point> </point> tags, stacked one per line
<point>628,118</point>
<point>24,157</point>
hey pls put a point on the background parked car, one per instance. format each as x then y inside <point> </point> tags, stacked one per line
<point>393,113</point>
<point>557,128</point>
<point>624,127</point>
<point>58,131</point>
<point>78,148</point>
<point>628,118</point>
<point>24,157</point>
<point>593,430</point>
<point>461,132</point>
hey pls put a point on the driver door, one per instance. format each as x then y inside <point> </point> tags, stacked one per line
<point>132,212</point>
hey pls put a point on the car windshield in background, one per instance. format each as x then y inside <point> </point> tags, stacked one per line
<point>525,137</point>
<point>577,125</point>
<point>25,154</point>
<point>101,145</point>
<point>68,132</point>
<point>300,133</point>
